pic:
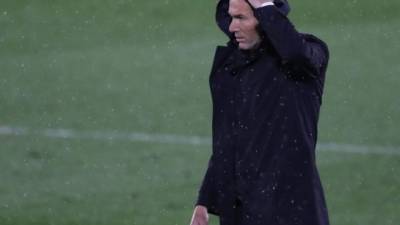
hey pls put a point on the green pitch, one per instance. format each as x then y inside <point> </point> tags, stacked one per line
<point>126,66</point>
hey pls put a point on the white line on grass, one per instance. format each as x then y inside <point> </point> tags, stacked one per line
<point>173,139</point>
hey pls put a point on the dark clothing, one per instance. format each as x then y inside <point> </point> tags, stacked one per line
<point>265,111</point>
<point>242,215</point>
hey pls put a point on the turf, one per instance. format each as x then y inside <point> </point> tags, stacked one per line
<point>143,67</point>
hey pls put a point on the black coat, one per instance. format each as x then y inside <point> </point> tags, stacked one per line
<point>265,111</point>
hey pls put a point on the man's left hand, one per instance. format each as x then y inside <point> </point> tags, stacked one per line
<point>257,3</point>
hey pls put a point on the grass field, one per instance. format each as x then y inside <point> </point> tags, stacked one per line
<point>129,66</point>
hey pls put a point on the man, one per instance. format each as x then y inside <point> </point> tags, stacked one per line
<point>266,87</point>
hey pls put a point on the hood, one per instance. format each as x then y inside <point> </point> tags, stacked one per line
<point>223,18</point>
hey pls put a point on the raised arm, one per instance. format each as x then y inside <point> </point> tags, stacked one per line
<point>306,55</point>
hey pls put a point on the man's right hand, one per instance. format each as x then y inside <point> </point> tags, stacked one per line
<point>200,216</point>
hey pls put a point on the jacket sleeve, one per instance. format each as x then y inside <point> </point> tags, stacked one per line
<point>207,195</point>
<point>305,55</point>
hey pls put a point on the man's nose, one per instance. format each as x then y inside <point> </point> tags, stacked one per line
<point>233,27</point>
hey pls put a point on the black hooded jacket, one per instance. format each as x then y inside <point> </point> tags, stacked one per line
<point>265,112</point>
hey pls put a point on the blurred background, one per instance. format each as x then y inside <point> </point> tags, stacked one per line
<point>105,109</point>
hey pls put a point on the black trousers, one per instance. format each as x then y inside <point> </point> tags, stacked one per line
<point>241,215</point>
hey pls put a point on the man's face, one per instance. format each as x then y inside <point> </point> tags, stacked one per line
<point>244,25</point>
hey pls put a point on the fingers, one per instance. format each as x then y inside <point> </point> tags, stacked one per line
<point>199,220</point>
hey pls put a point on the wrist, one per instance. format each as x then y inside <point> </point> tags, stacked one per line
<point>201,212</point>
<point>200,208</point>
